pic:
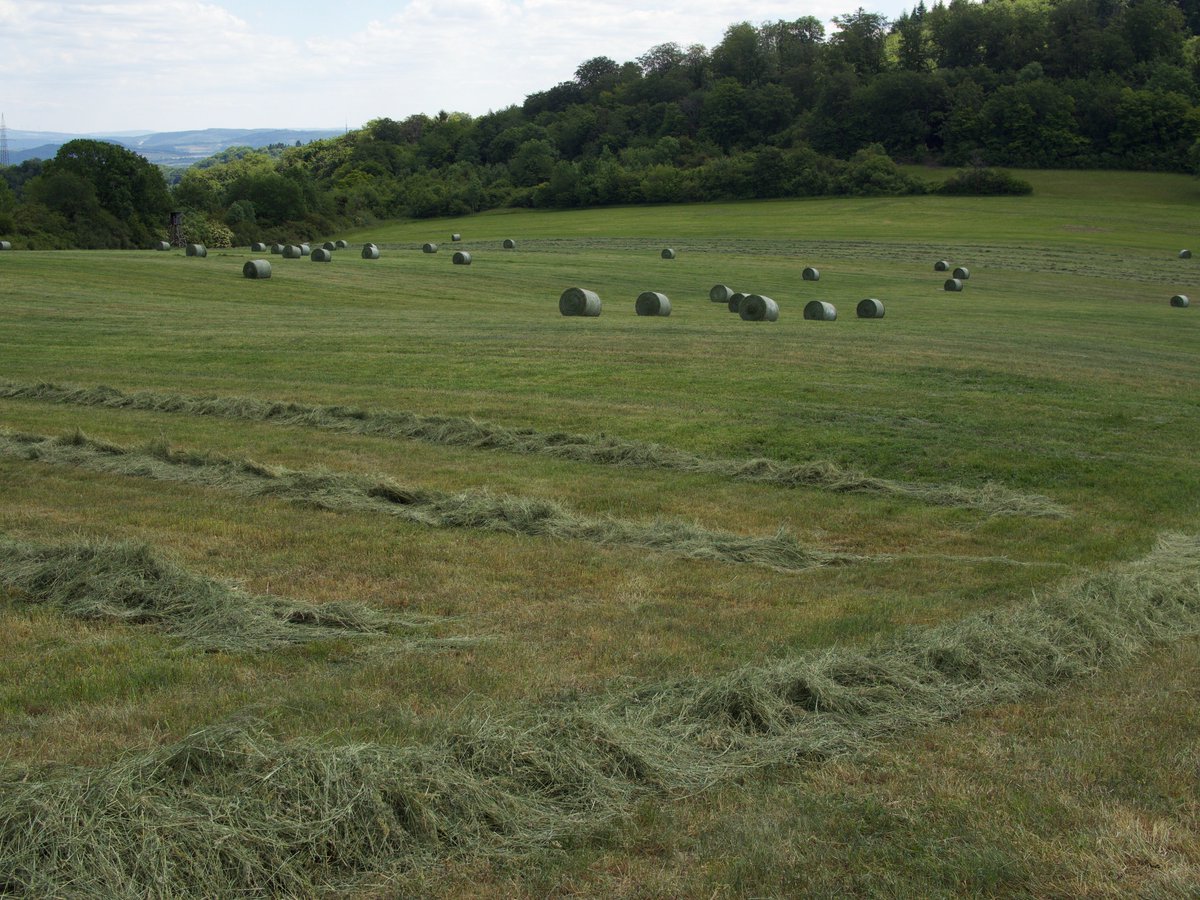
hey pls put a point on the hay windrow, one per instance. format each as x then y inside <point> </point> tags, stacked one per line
<point>433,509</point>
<point>991,498</point>
<point>232,810</point>
<point>128,583</point>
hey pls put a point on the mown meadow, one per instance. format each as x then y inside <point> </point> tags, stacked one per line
<point>480,597</point>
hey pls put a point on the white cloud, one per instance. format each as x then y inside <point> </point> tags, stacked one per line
<point>180,64</point>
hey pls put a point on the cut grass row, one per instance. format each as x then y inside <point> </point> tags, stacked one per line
<point>1089,791</point>
<point>590,448</point>
<point>126,583</point>
<point>346,493</point>
<point>231,809</point>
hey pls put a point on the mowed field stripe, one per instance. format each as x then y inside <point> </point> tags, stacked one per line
<point>481,510</point>
<point>991,498</point>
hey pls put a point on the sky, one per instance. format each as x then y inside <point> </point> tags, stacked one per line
<point>177,65</point>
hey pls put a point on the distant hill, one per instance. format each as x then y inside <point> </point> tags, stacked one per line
<point>168,148</point>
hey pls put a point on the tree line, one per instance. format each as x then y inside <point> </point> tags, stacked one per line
<point>780,109</point>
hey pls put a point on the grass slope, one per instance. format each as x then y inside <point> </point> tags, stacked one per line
<point>1061,372</point>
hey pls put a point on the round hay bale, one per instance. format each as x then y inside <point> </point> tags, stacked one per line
<point>508,244</point>
<point>197,250</point>
<point>161,245</point>
<point>869,309</point>
<point>321,255</point>
<point>1180,301</point>
<point>953,284</point>
<point>292,251</point>
<point>579,302</point>
<point>820,311</point>
<point>668,253</point>
<point>757,308</point>
<point>941,265</point>
<point>258,247</point>
<point>811,274</point>
<point>329,245</point>
<point>652,303</point>
<point>305,249</point>
<point>257,268</point>
<point>461,258</point>
<point>341,244</point>
<point>735,302</point>
<point>720,293</point>
<point>961,273</point>
<point>1185,254</point>
<point>277,249</point>
<point>370,251</point>
<point>429,248</point>
<point>456,237</point>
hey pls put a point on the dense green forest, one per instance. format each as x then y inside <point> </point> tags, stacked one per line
<point>781,109</point>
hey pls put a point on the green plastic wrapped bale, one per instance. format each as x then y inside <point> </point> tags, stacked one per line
<point>321,255</point>
<point>961,273</point>
<point>1180,300</point>
<point>258,247</point>
<point>735,302</point>
<point>757,308</point>
<point>370,251</point>
<point>579,302</point>
<point>461,258</point>
<point>161,245</point>
<point>1185,254</point>
<point>257,268</point>
<point>668,253</point>
<point>277,249</point>
<point>869,309</point>
<point>652,303</point>
<point>429,248</point>
<point>820,311</point>
<point>197,250</point>
<point>953,284</point>
<point>810,274</point>
<point>941,265</point>
<point>720,293</point>
<point>509,244</point>
<point>341,244</point>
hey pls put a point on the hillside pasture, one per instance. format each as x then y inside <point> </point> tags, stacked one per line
<point>1060,380</point>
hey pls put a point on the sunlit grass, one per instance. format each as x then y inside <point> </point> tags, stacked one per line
<point>1061,371</point>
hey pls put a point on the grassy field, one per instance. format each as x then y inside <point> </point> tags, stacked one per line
<point>522,576</point>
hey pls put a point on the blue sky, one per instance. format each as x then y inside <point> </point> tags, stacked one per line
<point>172,65</point>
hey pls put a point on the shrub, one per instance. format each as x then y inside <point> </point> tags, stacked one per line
<point>199,229</point>
<point>984,181</point>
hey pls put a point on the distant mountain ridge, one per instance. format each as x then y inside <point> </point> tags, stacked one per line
<point>167,148</point>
